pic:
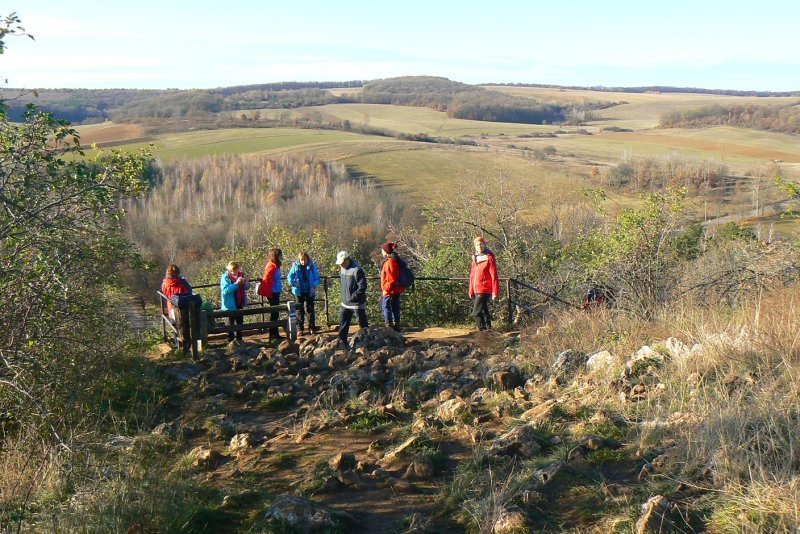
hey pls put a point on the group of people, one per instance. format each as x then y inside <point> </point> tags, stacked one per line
<point>303,279</point>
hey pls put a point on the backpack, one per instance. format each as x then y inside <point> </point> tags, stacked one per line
<point>407,276</point>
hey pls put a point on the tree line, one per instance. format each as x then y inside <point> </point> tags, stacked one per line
<point>459,100</point>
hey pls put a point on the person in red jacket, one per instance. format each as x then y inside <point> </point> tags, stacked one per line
<point>483,283</point>
<point>173,284</point>
<point>271,286</point>
<point>390,286</point>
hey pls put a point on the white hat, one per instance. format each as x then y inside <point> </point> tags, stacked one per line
<point>341,256</point>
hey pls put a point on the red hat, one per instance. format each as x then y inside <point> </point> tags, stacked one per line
<point>389,247</point>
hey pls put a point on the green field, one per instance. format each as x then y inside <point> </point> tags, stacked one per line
<point>243,141</point>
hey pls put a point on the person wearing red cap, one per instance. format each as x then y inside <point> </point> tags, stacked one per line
<point>390,286</point>
<point>483,283</point>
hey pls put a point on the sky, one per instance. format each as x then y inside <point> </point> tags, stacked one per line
<point>202,44</point>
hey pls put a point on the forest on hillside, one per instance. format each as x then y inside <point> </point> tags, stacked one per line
<point>784,119</point>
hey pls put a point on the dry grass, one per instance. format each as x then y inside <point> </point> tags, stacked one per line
<point>732,408</point>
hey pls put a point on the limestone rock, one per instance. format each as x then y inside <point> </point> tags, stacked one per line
<point>520,441</point>
<point>205,458</point>
<point>511,521</point>
<point>450,410</point>
<point>602,361</point>
<point>398,458</point>
<point>657,516</point>
<point>568,362</point>
<point>303,515</point>
<point>420,468</point>
<point>241,442</point>
<point>539,414</point>
<point>344,461</point>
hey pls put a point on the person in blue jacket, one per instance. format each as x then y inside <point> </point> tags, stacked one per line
<point>233,286</point>
<point>303,277</point>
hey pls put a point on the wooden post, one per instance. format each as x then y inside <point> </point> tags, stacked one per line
<point>510,304</point>
<point>194,329</point>
<point>325,288</point>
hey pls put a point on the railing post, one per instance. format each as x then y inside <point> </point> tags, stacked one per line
<point>510,304</point>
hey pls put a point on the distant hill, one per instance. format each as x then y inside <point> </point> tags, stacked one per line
<point>650,89</point>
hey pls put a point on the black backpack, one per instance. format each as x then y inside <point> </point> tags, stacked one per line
<point>406,274</point>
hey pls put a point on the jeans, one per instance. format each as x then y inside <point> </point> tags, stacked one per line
<point>232,321</point>
<point>274,300</point>
<point>305,303</point>
<point>480,311</point>
<point>391,309</point>
<point>345,316</point>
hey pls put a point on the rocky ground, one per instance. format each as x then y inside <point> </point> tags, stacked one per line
<point>421,435</point>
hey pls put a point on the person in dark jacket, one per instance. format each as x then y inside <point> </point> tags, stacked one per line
<point>483,283</point>
<point>233,286</point>
<point>271,286</point>
<point>354,295</point>
<point>390,286</point>
<point>303,277</point>
<point>173,284</point>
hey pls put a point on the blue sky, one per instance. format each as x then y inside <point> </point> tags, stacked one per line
<point>201,44</point>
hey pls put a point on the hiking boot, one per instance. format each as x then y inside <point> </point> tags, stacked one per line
<point>315,330</point>
<point>396,327</point>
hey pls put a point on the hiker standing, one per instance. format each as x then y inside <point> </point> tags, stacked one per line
<point>271,286</point>
<point>483,283</point>
<point>303,277</point>
<point>391,286</point>
<point>354,294</point>
<point>233,286</point>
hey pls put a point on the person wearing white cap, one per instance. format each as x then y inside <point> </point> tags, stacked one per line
<point>354,294</point>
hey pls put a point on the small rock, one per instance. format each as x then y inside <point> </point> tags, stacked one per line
<point>205,458</point>
<point>568,362</point>
<point>344,461</point>
<point>541,413</point>
<point>511,521</point>
<point>242,441</point>
<point>398,457</point>
<point>449,410</point>
<point>420,468</point>
<point>521,441</point>
<point>601,362</point>
<point>545,474</point>
<point>657,516</point>
<point>507,379</point>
